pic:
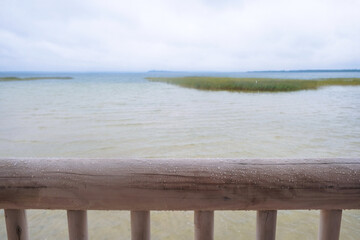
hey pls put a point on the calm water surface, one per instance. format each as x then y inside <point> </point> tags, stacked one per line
<point>111,115</point>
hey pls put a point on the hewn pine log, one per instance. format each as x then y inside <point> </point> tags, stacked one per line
<point>266,225</point>
<point>179,184</point>
<point>77,224</point>
<point>330,221</point>
<point>204,225</point>
<point>16,224</point>
<point>140,225</point>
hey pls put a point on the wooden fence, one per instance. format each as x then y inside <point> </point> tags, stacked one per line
<point>201,185</point>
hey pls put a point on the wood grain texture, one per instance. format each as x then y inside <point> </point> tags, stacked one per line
<point>140,225</point>
<point>204,225</point>
<point>180,184</point>
<point>266,225</point>
<point>77,225</point>
<point>16,224</point>
<point>330,222</point>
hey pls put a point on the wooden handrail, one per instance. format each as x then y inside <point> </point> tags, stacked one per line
<point>202,185</point>
<point>179,184</point>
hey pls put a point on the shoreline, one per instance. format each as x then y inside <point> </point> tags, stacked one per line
<point>10,79</point>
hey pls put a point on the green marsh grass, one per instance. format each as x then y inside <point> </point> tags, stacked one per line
<point>255,84</point>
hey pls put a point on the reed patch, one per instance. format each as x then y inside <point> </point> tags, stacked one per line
<point>255,84</point>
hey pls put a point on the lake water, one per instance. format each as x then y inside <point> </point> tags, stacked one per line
<point>119,115</point>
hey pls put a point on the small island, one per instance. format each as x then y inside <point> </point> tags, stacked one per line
<point>7,79</point>
<point>255,84</point>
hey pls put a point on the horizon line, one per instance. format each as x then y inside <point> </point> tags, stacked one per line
<point>184,71</point>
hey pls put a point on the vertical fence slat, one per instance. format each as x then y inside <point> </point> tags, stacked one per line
<point>77,224</point>
<point>140,225</point>
<point>330,222</point>
<point>204,225</point>
<point>16,224</point>
<point>266,225</point>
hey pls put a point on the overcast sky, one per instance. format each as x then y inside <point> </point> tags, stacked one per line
<point>183,35</point>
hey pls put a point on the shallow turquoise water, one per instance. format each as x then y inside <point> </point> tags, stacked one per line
<point>123,115</point>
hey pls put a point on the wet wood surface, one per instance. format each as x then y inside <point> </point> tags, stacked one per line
<point>179,184</point>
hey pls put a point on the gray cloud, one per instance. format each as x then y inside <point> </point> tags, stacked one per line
<point>179,35</point>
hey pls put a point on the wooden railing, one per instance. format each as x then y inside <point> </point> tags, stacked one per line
<point>202,185</point>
